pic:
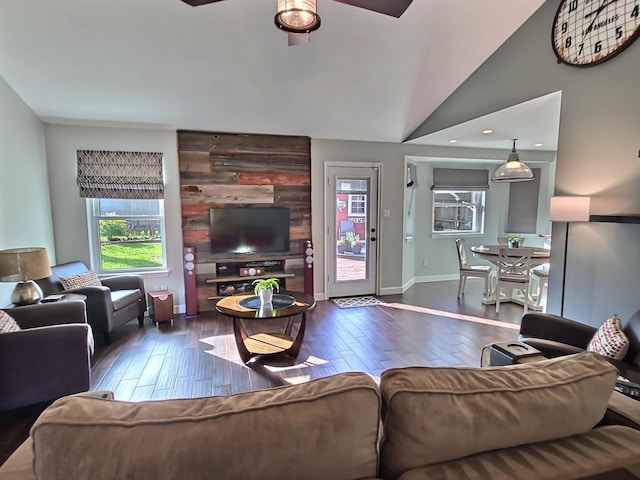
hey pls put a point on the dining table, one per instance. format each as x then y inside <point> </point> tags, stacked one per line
<point>539,256</point>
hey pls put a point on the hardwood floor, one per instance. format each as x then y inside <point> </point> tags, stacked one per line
<point>195,357</point>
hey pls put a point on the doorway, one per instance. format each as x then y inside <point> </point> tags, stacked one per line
<point>352,216</point>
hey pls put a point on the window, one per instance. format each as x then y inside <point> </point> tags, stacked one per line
<point>458,211</point>
<point>126,235</point>
<point>124,192</point>
<point>358,205</point>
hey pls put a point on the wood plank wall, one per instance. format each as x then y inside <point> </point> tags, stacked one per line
<point>218,169</point>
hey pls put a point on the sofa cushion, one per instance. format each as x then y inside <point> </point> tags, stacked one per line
<point>609,340</point>
<point>324,429</point>
<point>124,298</point>
<point>8,323</point>
<point>601,450</point>
<point>86,279</point>
<point>434,415</point>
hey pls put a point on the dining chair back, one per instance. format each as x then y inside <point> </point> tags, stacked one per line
<point>514,269</point>
<point>468,270</point>
<point>503,241</point>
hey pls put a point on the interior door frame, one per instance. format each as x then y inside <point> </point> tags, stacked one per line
<point>330,229</point>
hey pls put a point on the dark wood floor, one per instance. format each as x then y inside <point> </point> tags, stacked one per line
<point>194,357</point>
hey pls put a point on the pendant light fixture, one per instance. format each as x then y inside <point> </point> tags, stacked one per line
<point>513,170</point>
<point>297,16</point>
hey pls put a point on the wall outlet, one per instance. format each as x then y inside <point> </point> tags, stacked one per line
<point>386,213</point>
<point>425,262</point>
<point>162,287</point>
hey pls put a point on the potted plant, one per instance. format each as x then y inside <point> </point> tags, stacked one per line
<point>349,238</point>
<point>514,241</point>
<point>356,244</point>
<point>342,245</point>
<point>264,288</point>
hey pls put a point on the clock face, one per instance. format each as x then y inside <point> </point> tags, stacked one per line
<point>588,32</point>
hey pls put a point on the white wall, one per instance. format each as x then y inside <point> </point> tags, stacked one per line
<point>25,219</point>
<point>69,211</point>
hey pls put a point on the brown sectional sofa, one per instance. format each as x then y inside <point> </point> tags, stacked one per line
<point>530,421</point>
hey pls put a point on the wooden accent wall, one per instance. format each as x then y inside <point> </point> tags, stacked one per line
<point>218,169</point>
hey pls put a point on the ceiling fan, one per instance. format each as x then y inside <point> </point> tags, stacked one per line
<point>299,17</point>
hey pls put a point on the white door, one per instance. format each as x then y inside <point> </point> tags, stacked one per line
<point>352,253</point>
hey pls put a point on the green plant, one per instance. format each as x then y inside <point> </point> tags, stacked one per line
<point>350,237</point>
<point>342,241</point>
<point>266,284</point>
<point>514,238</point>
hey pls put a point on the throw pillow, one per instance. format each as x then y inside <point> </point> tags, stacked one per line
<point>87,279</point>
<point>7,323</point>
<point>609,340</point>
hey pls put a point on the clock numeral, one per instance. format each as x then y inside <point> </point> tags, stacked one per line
<point>573,5</point>
<point>598,47</point>
<point>618,33</point>
<point>580,48</point>
<point>567,42</point>
<point>635,12</point>
<point>565,27</point>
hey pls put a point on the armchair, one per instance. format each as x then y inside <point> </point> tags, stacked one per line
<point>556,336</point>
<point>49,358</point>
<point>117,301</point>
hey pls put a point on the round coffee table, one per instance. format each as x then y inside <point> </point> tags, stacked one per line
<point>246,307</point>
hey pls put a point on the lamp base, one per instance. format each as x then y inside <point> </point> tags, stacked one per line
<point>26,293</point>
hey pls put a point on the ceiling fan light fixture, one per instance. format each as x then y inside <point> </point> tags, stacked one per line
<point>513,170</point>
<point>297,16</point>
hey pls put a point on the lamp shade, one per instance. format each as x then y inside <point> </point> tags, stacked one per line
<point>297,16</point>
<point>23,264</point>
<point>513,170</point>
<point>569,209</point>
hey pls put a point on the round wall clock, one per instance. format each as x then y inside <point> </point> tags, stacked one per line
<point>589,32</point>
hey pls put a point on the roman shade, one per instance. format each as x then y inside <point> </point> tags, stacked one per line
<point>128,175</point>
<point>460,179</point>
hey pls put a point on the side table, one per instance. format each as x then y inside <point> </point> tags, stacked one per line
<point>160,306</point>
<point>509,353</point>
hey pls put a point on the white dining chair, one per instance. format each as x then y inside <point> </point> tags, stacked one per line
<point>468,270</point>
<point>542,276</point>
<point>514,269</point>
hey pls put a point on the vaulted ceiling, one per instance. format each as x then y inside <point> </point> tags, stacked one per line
<point>225,66</point>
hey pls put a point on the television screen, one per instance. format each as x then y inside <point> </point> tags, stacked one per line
<point>249,230</point>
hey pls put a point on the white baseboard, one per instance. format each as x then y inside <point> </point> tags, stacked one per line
<point>437,278</point>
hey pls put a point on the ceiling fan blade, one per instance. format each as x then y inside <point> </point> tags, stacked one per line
<point>197,3</point>
<point>395,8</point>
<point>298,38</point>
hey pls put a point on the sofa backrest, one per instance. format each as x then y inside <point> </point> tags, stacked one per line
<point>52,284</point>
<point>632,331</point>
<point>324,429</point>
<point>433,415</point>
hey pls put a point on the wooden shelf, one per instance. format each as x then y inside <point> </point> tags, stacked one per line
<point>237,278</point>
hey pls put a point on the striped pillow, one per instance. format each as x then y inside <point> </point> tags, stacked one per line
<point>609,340</point>
<point>7,323</point>
<point>86,279</point>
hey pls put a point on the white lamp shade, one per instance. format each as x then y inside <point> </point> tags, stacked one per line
<point>570,209</point>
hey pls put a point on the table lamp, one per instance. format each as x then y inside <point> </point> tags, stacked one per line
<point>24,265</point>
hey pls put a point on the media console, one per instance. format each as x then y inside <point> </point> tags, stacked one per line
<point>237,277</point>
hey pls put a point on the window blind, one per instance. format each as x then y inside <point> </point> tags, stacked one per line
<point>129,175</point>
<point>460,179</point>
<point>523,205</point>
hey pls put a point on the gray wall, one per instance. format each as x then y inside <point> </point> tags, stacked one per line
<point>597,156</point>
<point>25,213</point>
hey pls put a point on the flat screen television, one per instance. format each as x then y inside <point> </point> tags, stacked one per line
<point>249,230</point>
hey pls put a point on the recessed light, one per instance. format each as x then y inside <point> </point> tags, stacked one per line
<point>487,131</point>
<point>538,144</point>
<point>453,140</point>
